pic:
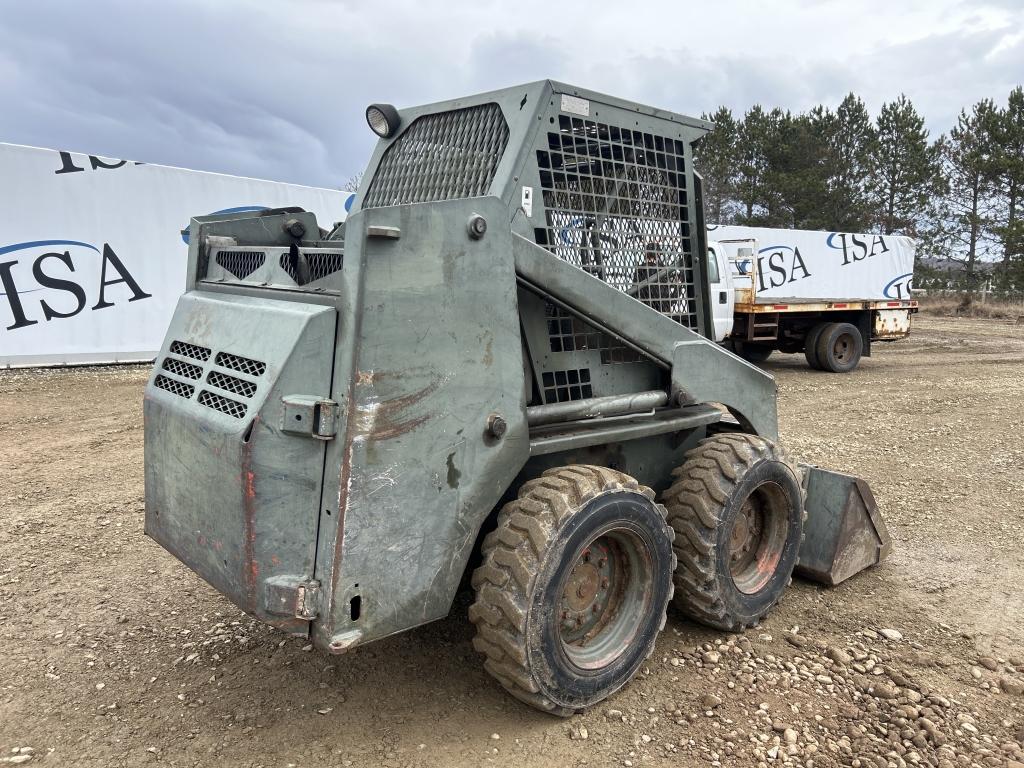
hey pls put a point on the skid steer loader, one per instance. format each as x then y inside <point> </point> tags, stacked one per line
<point>500,364</point>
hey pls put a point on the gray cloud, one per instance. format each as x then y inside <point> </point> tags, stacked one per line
<point>277,90</point>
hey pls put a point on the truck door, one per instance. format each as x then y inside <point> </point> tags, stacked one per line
<point>723,299</point>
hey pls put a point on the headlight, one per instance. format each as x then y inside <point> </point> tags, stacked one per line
<point>383,119</point>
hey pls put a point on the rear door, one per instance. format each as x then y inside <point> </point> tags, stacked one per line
<point>236,420</point>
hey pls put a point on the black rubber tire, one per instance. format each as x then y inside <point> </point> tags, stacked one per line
<point>704,503</point>
<point>753,353</point>
<point>811,345</point>
<point>831,337</point>
<point>526,562</point>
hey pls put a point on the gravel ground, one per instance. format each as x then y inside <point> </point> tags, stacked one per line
<point>113,653</point>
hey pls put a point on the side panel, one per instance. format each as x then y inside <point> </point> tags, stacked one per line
<point>228,491</point>
<point>438,351</point>
<point>806,264</point>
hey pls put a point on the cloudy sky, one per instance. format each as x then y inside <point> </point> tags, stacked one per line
<point>277,89</point>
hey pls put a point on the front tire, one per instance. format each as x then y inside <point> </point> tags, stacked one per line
<point>753,353</point>
<point>573,587</point>
<point>736,507</point>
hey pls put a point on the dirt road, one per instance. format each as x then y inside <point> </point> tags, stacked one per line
<point>112,653</point>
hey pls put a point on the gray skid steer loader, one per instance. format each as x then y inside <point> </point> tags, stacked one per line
<point>500,360</point>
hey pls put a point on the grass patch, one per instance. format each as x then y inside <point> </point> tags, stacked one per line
<point>961,306</point>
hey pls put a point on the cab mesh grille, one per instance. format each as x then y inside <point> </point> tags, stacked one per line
<point>615,205</point>
<point>444,156</point>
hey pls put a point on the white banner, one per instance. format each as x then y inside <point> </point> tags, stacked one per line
<point>804,264</point>
<point>92,255</point>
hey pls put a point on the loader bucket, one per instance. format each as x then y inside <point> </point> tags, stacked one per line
<point>844,532</point>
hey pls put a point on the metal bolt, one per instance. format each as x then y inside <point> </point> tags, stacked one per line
<point>295,228</point>
<point>604,583</point>
<point>496,425</point>
<point>476,226</point>
<point>602,562</point>
<point>593,608</point>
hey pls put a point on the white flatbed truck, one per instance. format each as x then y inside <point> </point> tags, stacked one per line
<point>829,295</point>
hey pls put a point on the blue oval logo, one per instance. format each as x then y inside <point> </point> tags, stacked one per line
<point>903,285</point>
<point>42,244</point>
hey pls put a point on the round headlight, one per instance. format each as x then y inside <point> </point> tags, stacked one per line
<point>383,119</point>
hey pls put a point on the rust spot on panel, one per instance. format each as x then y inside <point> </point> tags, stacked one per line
<point>384,422</point>
<point>251,570</point>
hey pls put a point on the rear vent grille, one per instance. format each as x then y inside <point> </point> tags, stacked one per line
<point>181,368</point>
<point>241,364</point>
<point>563,386</point>
<point>444,156</point>
<point>241,264</point>
<point>174,386</point>
<point>321,264</point>
<point>231,384</point>
<point>222,404</point>
<point>202,354</point>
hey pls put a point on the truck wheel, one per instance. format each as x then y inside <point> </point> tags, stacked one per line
<point>753,353</point>
<point>839,347</point>
<point>736,507</point>
<point>811,345</point>
<point>573,587</point>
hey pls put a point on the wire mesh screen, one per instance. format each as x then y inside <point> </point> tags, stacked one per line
<point>444,156</point>
<point>615,206</point>
<point>568,333</point>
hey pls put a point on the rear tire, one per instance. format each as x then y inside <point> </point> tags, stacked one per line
<point>573,587</point>
<point>839,347</point>
<point>811,345</point>
<point>736,507</point>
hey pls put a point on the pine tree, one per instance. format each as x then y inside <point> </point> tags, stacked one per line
<point>849,137</point>
<point>796,178</point>
<point>967,156</point>
<point>753,143</point>
<point>1008,173</point>
<point>715,158</point>
<point>907,170</point>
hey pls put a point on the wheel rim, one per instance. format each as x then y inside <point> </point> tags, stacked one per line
<point>842,349</point>
<point>604,598</point>
<point>757,538</point>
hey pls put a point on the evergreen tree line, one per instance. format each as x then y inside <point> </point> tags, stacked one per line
<point>960,195</point>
